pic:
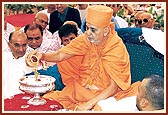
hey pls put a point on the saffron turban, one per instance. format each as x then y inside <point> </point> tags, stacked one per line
<point>99,15</point>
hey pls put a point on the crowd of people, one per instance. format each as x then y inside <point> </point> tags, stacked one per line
<point>92,59</point>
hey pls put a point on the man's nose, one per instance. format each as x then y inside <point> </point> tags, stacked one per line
<point>21,48</point>
<point>33,41</point>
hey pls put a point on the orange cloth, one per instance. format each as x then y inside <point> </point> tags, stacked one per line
<point>132,91</point>
<point>99,15</point>
<point>98,65</point>
<point>70,68</point>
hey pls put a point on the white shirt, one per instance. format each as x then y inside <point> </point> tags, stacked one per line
<point>48,45</point>
<point>10,28</point>
<point>5,46</point>
<point>13,69</point>
<point>82,13</point>
<point>47,34</point>
<point>121,22</point>
<point>110,104</point>
<point>156,38</point>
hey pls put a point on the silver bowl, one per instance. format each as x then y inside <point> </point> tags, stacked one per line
<point>42,85</point>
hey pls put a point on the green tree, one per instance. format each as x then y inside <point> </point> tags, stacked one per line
<point>26,8</point>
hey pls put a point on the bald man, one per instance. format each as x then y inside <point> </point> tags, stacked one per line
<point>48,9</point>
<point>41,18</point>
<point>137,16</point>
<point>144,19</point>
<point>147,20</point>
<point>14,66</point>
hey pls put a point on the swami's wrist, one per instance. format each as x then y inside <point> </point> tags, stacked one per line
<point>42,57</point>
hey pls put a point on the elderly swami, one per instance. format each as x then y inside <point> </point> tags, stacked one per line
<point>104,69</point>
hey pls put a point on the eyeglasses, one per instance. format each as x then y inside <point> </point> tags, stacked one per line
<point>31,39</point>
<point>42,21</point>
<point>141,21</point>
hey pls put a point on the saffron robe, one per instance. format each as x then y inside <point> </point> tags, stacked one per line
<point>93,65</point>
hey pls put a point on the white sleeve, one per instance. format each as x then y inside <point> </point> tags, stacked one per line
<point>156,38</point>
<point>124,105</point>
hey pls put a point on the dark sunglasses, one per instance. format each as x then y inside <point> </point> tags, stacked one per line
<point>140,21</point>
<point>42,21</point>
<point>31,39</point>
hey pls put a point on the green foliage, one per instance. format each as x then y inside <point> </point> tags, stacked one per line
<point>159,19</point>
<point>40,7</point>
<point>121,12</point>
<point>71,5</point>
<point>130,20</point>
<point>26,8</point>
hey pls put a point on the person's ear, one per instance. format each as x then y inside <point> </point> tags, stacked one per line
<point>153,22</point>
<point>106,31</point>
<point>143,103</point>
<point>9,45</point>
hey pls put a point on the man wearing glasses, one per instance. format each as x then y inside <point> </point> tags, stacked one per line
<point>41,18</point>
<point>144,19</point>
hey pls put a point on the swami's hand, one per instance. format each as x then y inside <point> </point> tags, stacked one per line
<point>33,59</point>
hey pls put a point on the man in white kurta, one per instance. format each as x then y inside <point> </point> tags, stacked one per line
<point>13,64</point>
<point>13,70</point>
